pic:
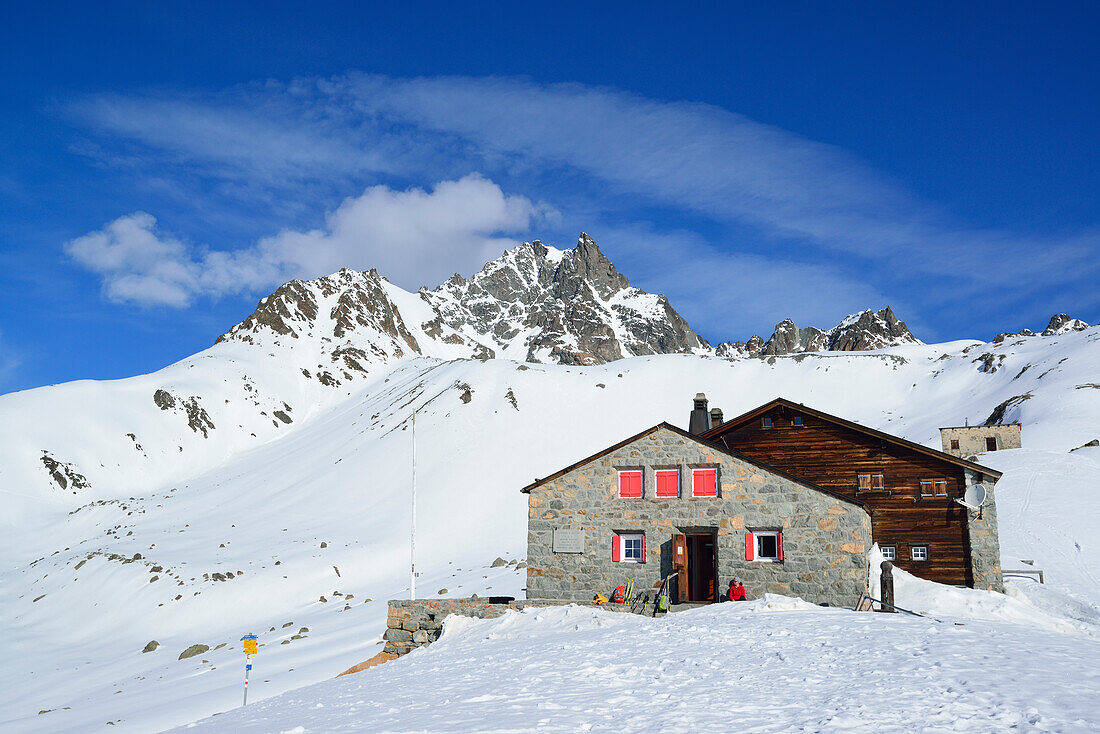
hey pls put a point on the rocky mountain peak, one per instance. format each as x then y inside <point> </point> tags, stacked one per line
<point>1063,323</point>
<point>857,332</point>
<point>1059,324</point>
<point>534,303</point>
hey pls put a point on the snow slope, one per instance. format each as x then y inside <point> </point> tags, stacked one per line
<point>773,665</point>
<point>258,495</point>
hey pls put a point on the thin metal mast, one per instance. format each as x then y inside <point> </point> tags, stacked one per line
<point>412,537</point>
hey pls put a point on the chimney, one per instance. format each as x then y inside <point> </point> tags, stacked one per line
<point>715,417</point>
<point>700,418</point>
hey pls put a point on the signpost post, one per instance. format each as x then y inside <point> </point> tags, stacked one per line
<point>250,647</point>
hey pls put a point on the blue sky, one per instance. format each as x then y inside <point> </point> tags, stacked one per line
<point>164,169</point>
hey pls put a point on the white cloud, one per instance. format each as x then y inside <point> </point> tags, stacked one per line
<point>137,263</point>
<point>695,157</point>
<point>408,235</point>
<point>708,160</point>
<point>799,206</point>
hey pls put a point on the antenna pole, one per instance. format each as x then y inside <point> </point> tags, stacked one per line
<point>412,535</point>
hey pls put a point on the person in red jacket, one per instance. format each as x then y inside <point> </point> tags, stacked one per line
<point>737,591</point>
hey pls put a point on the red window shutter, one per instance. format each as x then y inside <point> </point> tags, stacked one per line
<point>750,547</point>
<point>779,544</point>
<point>667,480</point>
<point>643,548</point>
<point>630,484</point>
<point>704,482</point>
<point>616,548</point>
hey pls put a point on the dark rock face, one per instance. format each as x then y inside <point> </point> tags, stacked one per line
<point>64,474</point>
<point>1063,323</point>
<point>543,305</point>
<point>1059,324</point>
<point>997,417</point>
<point>290,303</point>
<point>870,330</point>
<point>198,420</point>
<point>533,303</point>
<point>859,332</point>
<point>789,339</point>
<point>192,651</point>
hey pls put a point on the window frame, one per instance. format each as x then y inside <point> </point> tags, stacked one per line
<point>913,552</point>
<point>893,552</point>
<point>796,422</point>
<point>871,482</point>
<point>757,535</point>
<point>767,422</point>
<point>641,482</point>
<point>988,440</point>
<point>695,469</point>
<point>657,485</point>
<point>954,444</point>
<point>937,487</point>
<point>631,537</point>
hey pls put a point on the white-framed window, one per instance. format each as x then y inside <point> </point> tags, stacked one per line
<point>704,482</point>
<point>630,483</point>
<point>628,548</point>
<point>667,482</point>
<point>889,552</point>
<point>764,545</point>
<point>919,553</point>
<point>796,421</point>
<point>768,423</point>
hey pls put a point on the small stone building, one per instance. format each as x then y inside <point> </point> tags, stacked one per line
<point>965,441</point>
<point>666,500</point>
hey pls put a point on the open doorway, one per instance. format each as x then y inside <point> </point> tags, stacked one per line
<point>696,562</point>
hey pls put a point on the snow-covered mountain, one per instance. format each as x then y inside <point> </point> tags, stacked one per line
<point>534,303</point>
<point>263,484</point>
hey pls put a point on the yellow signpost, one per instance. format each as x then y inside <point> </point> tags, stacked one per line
<point>251,644</point>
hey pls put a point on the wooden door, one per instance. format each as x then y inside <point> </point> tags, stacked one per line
<point>680,567</point>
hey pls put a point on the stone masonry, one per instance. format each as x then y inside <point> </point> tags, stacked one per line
<point>985,546</point>
<point>972,439</point>
<point>825,536</point>
<point>413,623</point>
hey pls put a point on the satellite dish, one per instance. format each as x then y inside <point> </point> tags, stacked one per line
<point>974,497</point>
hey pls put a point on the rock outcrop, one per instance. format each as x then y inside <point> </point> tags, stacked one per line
<point>858,332</point>
<point>1063,323</point>
<point>534,303</point>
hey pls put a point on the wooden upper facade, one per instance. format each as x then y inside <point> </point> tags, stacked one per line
<point>909,488</point>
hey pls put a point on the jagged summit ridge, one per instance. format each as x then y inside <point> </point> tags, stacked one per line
<point>858,332</point>
<point>534,303</point>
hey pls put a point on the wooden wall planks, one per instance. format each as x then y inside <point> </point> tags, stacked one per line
<point>832,456</point>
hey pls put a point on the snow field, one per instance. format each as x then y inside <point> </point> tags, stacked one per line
<point>339,474</point>
<point>774,665</point>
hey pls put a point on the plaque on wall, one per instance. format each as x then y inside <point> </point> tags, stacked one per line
<point>567,540</point>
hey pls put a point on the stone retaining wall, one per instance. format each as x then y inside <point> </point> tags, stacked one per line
<point>413,623</point>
